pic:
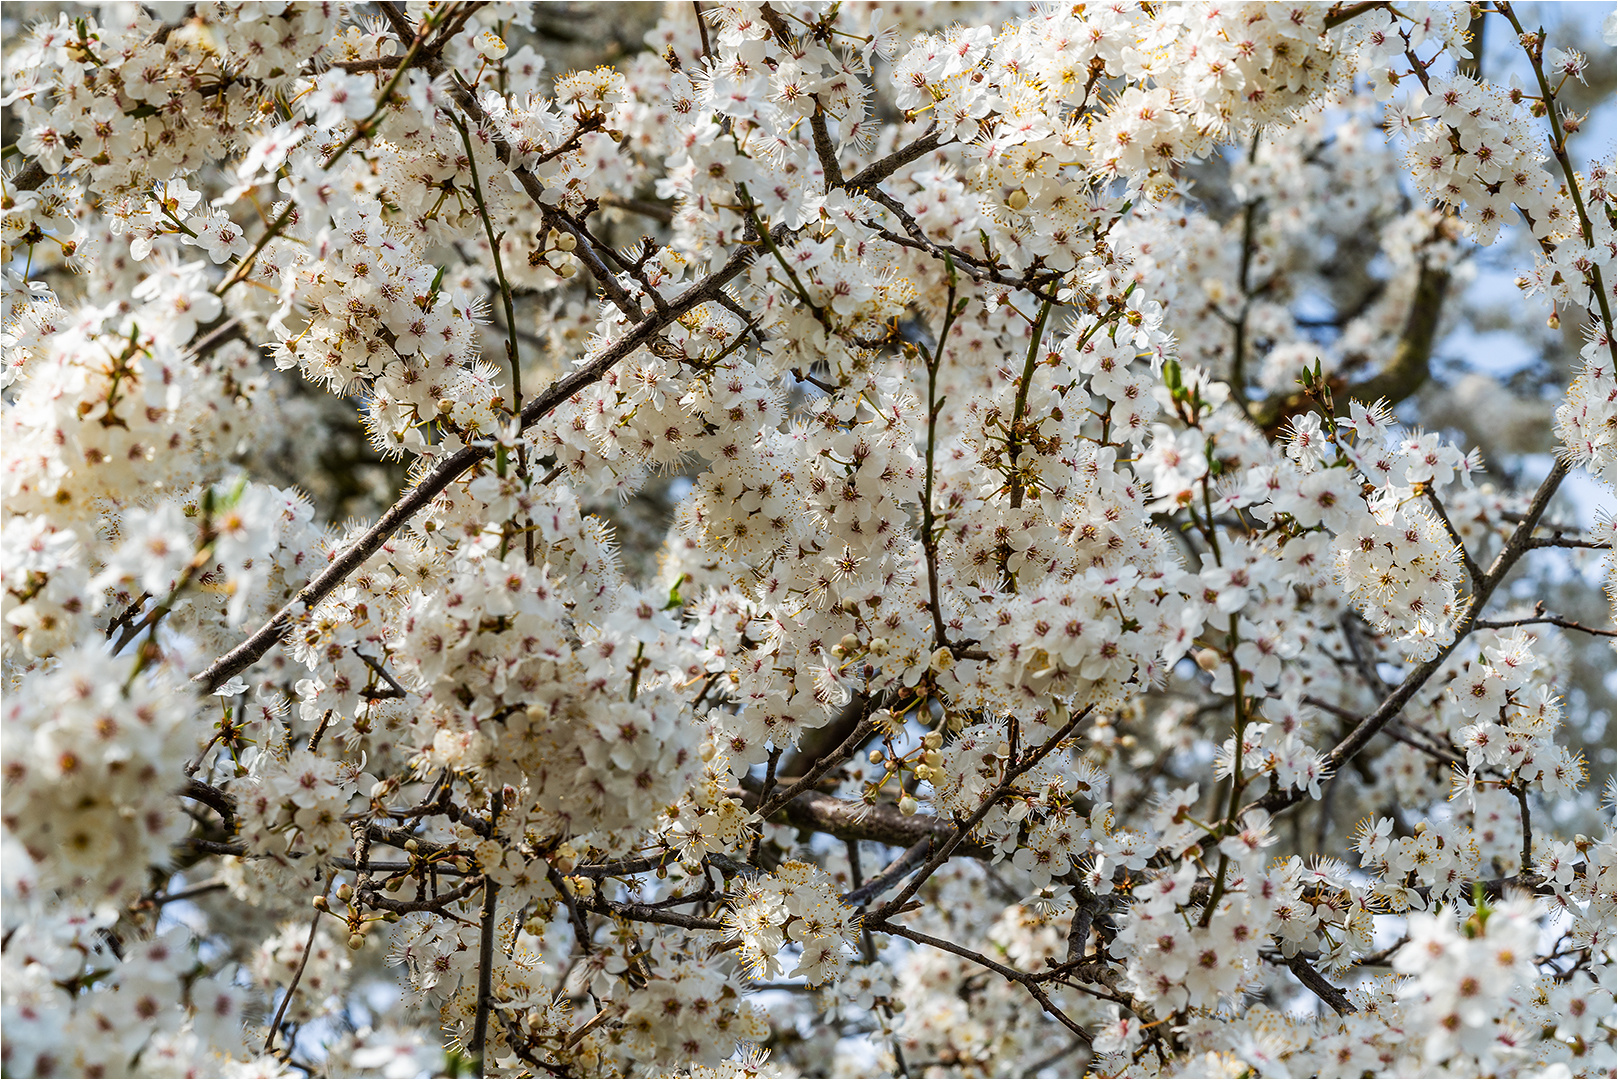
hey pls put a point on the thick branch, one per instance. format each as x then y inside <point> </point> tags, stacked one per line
<point>1317,983</point>
<point>1404,372</point>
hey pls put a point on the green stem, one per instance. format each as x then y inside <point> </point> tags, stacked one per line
<point>499,269</point>
<point>769,244</point>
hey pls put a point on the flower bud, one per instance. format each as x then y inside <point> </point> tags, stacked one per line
<point>923,772</point>
<point>1017,200</point>
<point>320,904</point>
<point>565,859</point>
<point>876,757</point>
<point>356,941</point>
<point>708,750</point>
<point>566,241</point>
<point>908,805</point>
<point>345,892</point>
<point>1208,660</point>
<point>878,647</point>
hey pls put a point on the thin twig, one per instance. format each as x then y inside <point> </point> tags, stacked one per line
<point>1028,982</point>
<point>292,987</point>
<point>965,827</point>
<point>1366,730</point>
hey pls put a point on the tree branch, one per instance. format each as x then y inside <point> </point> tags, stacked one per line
<point>1510,553</point>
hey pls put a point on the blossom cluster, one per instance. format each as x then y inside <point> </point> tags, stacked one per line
<point>854,497</point>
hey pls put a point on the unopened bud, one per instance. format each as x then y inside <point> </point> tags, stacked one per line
<point>908,805</point>
<point>345,892</point>
<point>708,750</point>
<point>878,647</point>
<point>1017,200</point>
<point>320,904</point>
<point>411,846</point>
<point>923,772</point>
<point>566,241</point>
<point>1208,660</point>
<point>876,759</point>
<point>356,941</point>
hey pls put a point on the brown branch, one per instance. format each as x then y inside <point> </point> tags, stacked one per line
<point>1550,620</point>
<point>1028,761</point>
<point>30,177</point>
<point>436,904</point>
<point>1404,372</point>
<point>866,179</point>
<point>1472,571</point>
<point>1317,983</point>
<point>813,811</point>
<point>844,751</point>
<point>979,270</point>
<point>881,925</point>
<point>450,468</point>
<point>157,900</point>
<point>645,208</point>
<point>292,987</point>
<point>491,894</point>
<point>642,913</point>
<point>1342,13</point>
<point>912,856</point>
<point>1567,542</point>
<point>581,929</point>
<point>1510,553</point>
<point>218,800</point>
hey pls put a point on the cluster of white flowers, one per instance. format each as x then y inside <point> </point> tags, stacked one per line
<point>857,496</point>
<point>796,904</point>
